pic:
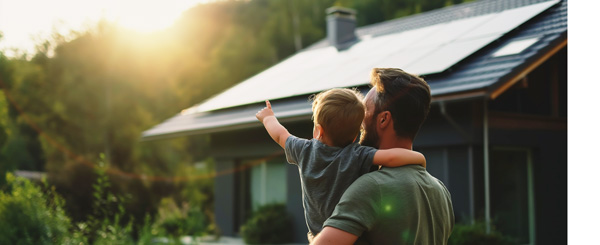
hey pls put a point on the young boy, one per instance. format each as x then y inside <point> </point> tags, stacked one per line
<point>330,162</point>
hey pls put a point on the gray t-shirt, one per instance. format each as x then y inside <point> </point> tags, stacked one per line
<point>325,173</point>
<point>402,205</point>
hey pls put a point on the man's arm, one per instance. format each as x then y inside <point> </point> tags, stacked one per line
<point>396,157</point>
<point>356,213</point>
<point>277,132</point>
<point>331,235</point>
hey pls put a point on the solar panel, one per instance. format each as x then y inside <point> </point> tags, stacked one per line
<point>405,58</point>
<point>422,51</point>
<point>282,80</point>
<point>508,20</point>
<point>453,31</point>
<point>470,35</point>
<point>447,55</point>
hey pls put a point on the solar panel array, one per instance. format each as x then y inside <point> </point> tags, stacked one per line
<point>422,51</point>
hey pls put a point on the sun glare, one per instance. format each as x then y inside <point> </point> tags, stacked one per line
<point>23,23</point>
<point>147,16</point>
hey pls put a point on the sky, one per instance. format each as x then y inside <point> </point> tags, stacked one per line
<point>24,23</point>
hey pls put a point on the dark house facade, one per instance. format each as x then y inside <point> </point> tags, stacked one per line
<point>496,134</point>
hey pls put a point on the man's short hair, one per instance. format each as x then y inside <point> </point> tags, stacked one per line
<point>406,96</point>
<point>340,111</point>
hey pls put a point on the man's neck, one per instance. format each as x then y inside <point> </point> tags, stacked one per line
<point>394,142</point>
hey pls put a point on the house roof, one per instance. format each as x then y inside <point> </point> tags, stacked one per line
<point>458,49</point>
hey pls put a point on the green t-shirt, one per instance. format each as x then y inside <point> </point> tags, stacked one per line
<point>403,205</point>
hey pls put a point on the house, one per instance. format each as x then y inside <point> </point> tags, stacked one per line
<point>496,134</point>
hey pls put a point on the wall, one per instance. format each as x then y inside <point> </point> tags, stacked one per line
<point>449,143</point>
<point>224,203</point>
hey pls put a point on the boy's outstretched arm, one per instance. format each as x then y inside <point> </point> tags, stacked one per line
<point>396,157</point>
<point>274,128</point>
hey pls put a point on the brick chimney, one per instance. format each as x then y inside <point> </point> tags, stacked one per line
<point>341,26</point>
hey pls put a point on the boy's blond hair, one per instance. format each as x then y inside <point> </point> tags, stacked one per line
<point>340,111</point>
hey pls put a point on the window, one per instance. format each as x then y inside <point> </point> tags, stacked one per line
<point>268,183</point>
<point>258,182</point>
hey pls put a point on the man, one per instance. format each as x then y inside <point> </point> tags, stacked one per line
<point>403,205</point>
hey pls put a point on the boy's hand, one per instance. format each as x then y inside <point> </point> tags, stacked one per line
<point>277,132</point>
<point>265,112</point>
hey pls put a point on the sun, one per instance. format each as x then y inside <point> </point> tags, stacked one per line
<point>146,15</point>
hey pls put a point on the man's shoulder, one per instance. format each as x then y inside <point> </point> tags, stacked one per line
<point>401,173</point>
<point>403,177</point>
<point>398,176</point>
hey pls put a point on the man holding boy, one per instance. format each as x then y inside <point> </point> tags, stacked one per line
<point>330,161</point>
<point>401,205</point>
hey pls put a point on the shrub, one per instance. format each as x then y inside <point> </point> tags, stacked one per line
<point>106,226</point>
<point>149,231</point>
<point>196,222</point>
<point>29,215</point>
<point>180,221</point>
<point>33,214</point>
<point>467,234</point>
<point>270,224</point>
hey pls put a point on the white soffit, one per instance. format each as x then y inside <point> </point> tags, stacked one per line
<point>422,51</point>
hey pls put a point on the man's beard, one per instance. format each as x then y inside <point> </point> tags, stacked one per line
<point>369,136</point>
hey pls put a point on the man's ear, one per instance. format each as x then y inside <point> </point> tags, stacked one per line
<point>384,119</point>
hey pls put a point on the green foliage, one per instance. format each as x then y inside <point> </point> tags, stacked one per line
<point>5,74</point>
<point>474,234</point>
<point>30,215</point>
<point>105,224</point>
<point>4,165</point>
<point>270,224</point>
<point>179,221</point>
<point>147,232</point>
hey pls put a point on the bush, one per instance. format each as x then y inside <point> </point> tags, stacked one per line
<point>29,215</point>
<point>147,232</point>
<point>180,221</point>
<point>270,224</point>
<point>467,234</point>
<point>106,225</point>
<point>32,214</point>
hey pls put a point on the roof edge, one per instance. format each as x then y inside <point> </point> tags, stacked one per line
<point>464,95</point>
<point>528,67</point>
<point>223,128</point>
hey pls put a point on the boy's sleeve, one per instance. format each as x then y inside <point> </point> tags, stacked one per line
<point>357,210</point>
<point>367,154</point>
<point>293,149</point>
